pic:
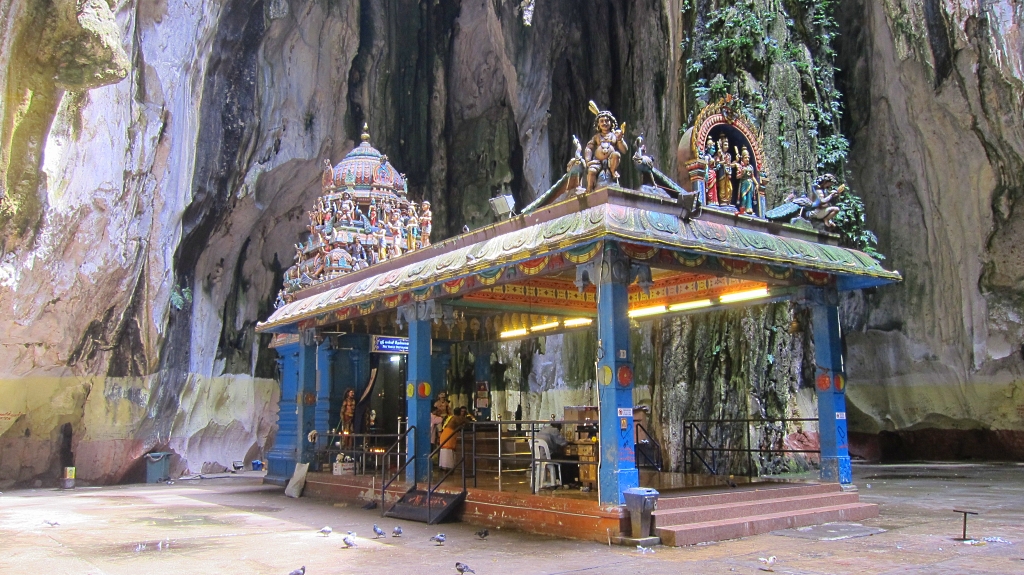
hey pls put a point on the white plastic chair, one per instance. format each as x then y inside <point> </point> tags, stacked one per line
<point>545,473</point>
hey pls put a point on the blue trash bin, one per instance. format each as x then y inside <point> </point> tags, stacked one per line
<point>257,465</point>
<point>158,466</point>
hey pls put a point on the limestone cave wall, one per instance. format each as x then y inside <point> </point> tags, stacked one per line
<point>157,158</point>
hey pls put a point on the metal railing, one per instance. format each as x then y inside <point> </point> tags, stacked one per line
<point>699,447</point>
<point>359,449</point>
<point>396,447</point>
<point>641,454</point>
<point>510,446</point>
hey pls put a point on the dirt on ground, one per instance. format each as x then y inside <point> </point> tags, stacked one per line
<point>238,525</point>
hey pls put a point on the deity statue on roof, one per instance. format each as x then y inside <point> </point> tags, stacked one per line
<point>426,223</point>
<point>707,155</point>
<point>747,182</point>
<point>605,149</point>
<point>373,213</point>
<point>723,171</point>
<point>815,211</point>
<point>327,179</point>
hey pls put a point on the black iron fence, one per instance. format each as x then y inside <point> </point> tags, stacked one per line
<point>729,446</point>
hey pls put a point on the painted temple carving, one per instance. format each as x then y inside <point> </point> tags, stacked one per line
<point>817,209</point>
<point>725,161</point>
<point>362,217</point>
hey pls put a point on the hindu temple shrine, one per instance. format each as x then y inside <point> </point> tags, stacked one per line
<point>373,307</point>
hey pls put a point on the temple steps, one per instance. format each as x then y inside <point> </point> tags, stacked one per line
<point>691,519</point>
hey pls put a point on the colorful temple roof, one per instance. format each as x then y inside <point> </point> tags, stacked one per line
<point>561,236</point>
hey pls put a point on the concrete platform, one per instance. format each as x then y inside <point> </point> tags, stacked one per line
<point>237,525</point>
<point>752,510</point>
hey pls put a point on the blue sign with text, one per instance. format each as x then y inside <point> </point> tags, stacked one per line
<point>388,344</point>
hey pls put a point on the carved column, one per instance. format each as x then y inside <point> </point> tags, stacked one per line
<point>830,383</point>
<point>324,377</point>
<point>306,399</point>
<point>418,386</point>
<point>615,376</point>
<point>281,459</point>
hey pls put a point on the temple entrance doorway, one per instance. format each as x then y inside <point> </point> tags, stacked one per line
<point>387,398</point>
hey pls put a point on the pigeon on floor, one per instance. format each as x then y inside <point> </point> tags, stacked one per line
<point>644,550</point>
<point>483,533</point>
<point>326,530</point>
<point>299,571</point>
<point>378,532</point>
<point>349,540</point>
<point>463,568</point>
<point>439,538</point>
<point>396,532</point>
<point>50,523</point>
<point>769,562</point>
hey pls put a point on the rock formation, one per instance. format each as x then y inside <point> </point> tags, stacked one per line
<point>157,159</point>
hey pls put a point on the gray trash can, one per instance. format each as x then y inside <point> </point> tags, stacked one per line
<point>641,502</point>
<point>158,466</point>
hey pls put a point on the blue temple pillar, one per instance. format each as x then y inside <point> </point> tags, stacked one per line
<point>830,383</point>
<point>615,377</point>
<point>282,457</point>
<point>324,377</point>
<point>418,387</point>
<point>308,378</point>
<point>439,363</point>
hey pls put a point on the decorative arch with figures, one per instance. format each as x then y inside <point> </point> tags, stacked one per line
<point>703,165</point>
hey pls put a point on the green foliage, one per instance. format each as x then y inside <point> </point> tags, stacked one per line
<point>180,296</point>
<point>712,92</point>
<point>730,35</point>
<point>852,226</point>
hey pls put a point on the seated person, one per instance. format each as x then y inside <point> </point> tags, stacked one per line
<point>552,434</point>
<point>466,415</point>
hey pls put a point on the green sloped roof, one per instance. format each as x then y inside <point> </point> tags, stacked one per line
<point>609,220</point>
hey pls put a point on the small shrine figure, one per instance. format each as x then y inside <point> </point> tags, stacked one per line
<point>348,208</point>
<point>606,148</point>
<point>747,182</point>
<point>348,416</point>
<point>710,181</point>
<point>318,265</point>
<point>412,232</point>
<point>723,171</point>
<point>359,253</point>
<point>373,213</point>
<point>380,245</point>
<point>280,302</point>
<point>395,231</point>
<point>426,223</point>
<point>821,207</point>
<point>327,228</point>
<point>817,209</point>
<point>328,178</point>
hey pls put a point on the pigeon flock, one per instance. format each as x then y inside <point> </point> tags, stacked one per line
<point>349,539</point>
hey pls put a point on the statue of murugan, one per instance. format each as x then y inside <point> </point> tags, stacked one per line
<point>606,148</point>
